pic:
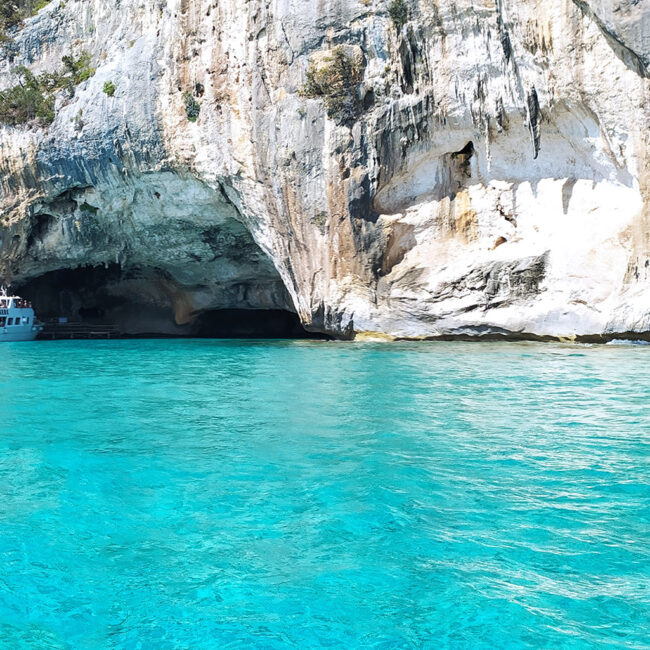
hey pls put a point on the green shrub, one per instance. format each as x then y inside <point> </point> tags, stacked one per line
<point>399,13</point>
<point>336,80</point>
<point>192,107</point>
<point>86,207</point>
<point>12,13</point>
<point>39,5</point>
<point>78,70</point>
<point>109,88</point>
<point>26,101</point>
<point>33,97</point>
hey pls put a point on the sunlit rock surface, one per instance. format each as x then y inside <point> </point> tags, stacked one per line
<point>494,179</point>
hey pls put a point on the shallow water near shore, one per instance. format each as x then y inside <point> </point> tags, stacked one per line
<point>204,494</point>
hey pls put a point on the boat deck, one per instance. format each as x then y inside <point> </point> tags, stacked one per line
<point>53,331</point>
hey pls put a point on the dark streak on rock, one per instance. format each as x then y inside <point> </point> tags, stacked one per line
<point>504,37</point>
<point>532,105</point>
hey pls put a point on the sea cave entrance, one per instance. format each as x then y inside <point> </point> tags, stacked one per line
<point>111,302</point>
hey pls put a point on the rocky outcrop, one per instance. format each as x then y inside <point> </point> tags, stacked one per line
<point>487,172</point>
<point>626,24</point>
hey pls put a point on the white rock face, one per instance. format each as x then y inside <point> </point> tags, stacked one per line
<point>494,178</point>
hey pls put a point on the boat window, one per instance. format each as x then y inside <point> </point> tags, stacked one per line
<point>27,321</point>
<point>10,321</point>
<point>3,320</point>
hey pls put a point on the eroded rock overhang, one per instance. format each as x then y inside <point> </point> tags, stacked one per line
<point>149,254</point>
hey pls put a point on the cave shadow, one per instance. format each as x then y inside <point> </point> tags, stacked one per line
<point>86,303</point>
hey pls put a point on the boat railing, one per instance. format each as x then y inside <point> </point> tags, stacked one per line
<point>18,303</point>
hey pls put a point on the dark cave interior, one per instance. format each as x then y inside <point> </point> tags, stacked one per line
<point>132,304</point>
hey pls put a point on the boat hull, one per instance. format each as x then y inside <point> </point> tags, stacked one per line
<point>18,334</point>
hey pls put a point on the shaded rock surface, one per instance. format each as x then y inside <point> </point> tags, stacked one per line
<point>493,177</point>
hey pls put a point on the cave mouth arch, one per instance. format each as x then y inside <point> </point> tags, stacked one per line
<point>143,303</point>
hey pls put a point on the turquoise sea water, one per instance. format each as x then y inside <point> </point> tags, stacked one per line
<point>224,494</point>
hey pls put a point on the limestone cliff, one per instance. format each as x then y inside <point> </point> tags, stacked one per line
<point>488,170</point>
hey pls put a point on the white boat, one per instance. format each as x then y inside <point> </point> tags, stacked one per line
<point>17,319</point>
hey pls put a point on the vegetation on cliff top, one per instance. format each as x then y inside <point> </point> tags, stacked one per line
<point>34,96</point>
<point>13,12</point>
<point>399,13</point>
<point>336,80</point>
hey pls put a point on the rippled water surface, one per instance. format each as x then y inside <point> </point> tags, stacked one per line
<point>209,494</point>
